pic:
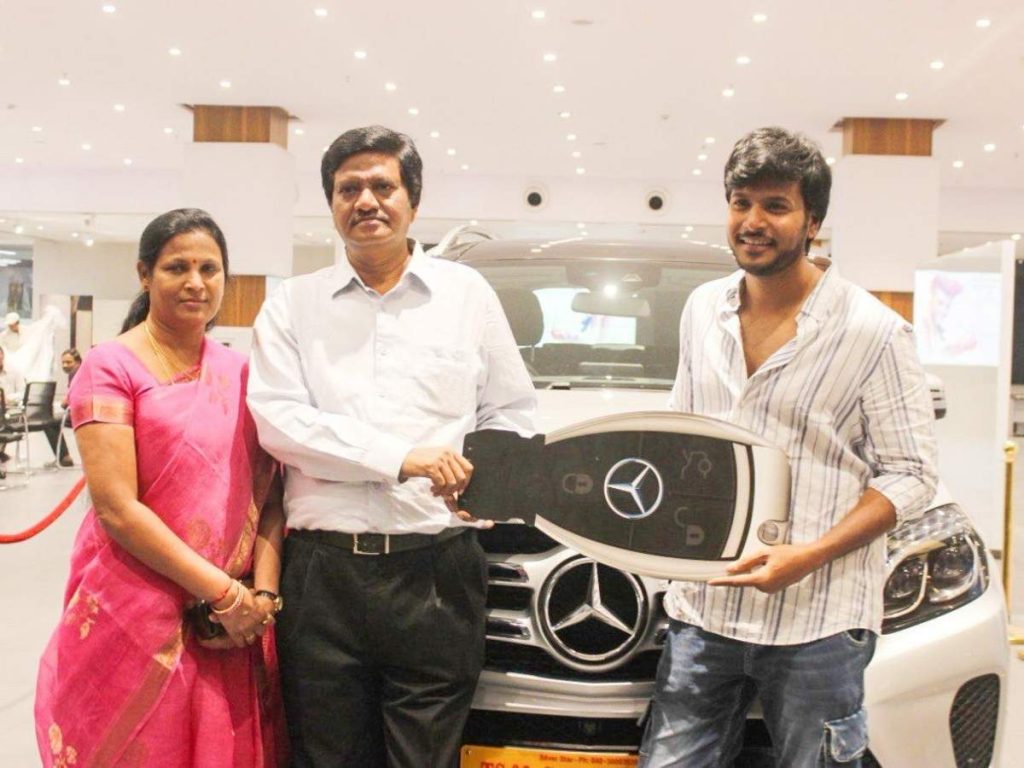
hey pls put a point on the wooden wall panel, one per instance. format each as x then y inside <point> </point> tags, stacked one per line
<point>899,301</point>
<point>887,136</point>
<point>261,125</point>
<point>243,297</point>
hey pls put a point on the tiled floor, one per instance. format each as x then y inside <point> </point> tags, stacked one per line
<point>32,576</point>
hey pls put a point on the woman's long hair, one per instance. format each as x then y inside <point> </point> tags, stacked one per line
<point>156,235</point>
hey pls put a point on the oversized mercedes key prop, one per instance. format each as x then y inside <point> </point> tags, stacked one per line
<point>663,494</point>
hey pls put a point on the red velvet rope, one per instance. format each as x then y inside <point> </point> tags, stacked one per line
<point>28,533</point>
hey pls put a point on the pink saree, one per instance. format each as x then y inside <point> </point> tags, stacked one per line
<point>122,681</point>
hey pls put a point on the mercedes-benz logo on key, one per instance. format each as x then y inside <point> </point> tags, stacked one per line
<point>633,488</point>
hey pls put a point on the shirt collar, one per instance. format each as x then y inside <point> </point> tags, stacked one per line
<point>817,306</point>
<point>418,271</point>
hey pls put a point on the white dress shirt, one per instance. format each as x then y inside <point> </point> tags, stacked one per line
<point>846,399</point>
<point>344,382</point>
<point>13,385</point>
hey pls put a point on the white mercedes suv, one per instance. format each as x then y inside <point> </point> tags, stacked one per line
<point>572,645</point>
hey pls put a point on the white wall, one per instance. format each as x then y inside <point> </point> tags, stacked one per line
<point>105,271</point>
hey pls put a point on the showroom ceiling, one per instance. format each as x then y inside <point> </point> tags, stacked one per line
<point>653,90</point>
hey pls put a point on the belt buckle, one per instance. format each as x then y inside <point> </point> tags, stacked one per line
<point>371,544</point>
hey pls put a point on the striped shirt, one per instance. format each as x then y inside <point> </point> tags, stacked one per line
<point>846,399</point>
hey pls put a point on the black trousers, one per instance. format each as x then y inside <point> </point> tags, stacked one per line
<point>52,432</point>
<point>380,654</point>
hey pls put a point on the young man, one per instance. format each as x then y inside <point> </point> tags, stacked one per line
<point>823,370</point>
<point>365,378</point>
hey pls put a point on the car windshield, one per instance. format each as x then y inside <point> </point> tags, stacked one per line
<point>596,323</point>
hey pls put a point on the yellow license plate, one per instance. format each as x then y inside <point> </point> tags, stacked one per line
<point>512,757</point>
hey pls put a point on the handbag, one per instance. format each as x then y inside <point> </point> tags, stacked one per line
<point>198,618</point>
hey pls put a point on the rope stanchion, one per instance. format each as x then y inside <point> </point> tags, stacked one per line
<point>28,533</point>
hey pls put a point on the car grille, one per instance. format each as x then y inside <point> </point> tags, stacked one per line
<point>972,721</point>
<point>532,660</point>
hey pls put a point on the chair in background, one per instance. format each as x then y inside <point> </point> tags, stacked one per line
<point>12,430</point>
<point>37,407</point>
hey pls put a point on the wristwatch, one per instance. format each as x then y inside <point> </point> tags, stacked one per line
<point>275,598</point>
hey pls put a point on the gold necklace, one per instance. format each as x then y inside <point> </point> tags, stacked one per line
<point>160,355</point>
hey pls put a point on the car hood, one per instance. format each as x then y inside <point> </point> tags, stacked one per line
<point>560,408</point>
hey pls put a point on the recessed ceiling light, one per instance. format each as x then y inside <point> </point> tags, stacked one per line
<point>688,228</point>
<point>536,250</point>
<point>390,87</point>
<point>109,8</point>
<point>559,89</point>
<point>474,222</point>
<point>760,18</point>
<point>702,157</point>
<point>39,227</point>
<point>709,139</point>
<point>550,57</point>
<point>830,161</point>
<point>450,151</point>
<point>74,234</point>
<point>19,229</point>
<point>729,92</point>
<point>225,83</point>
<point>937,64</point>
<point>990,147</point>
<point>37,129</point>
<point>983,23</point>
<point>309,234</point>
<point>958,164</point>
<point>465,166</point>
<point>87,146</point>
<point>328,240</point>
<point>89,242</point>
<point>413,111</point>
<point>119,107</point>
<point>64,80</point>
<point>299,131</point>
<point>174,51</point>
<point>581,171</point>
<point>19,160</point>
<point>570,137</point>
<point>323,150</point>
<point>580,225</point>
<point>584,233</point>
<point>435,134</point>
<point>320,13</point>
<point>360,54</point>
<point>577,153</point>
<point>684,236</point>
<point>902,96</point>
<point>697,171</point>
<point>537,14</point>
<point>565,115</point>
<point>127,161</point>
<point>1015,236</point>
<point>742,60</point>
<point>168,131</point>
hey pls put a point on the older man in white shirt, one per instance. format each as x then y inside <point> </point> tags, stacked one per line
<point>365,378</point>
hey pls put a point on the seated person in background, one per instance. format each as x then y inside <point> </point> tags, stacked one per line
<point>12,384</point>
<point>70,362</point>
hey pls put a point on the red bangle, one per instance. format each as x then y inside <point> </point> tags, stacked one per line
<point>223,594</point>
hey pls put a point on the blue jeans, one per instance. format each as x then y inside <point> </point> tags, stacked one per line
<point>812,696</point>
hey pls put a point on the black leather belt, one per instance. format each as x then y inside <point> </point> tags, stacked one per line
<point>378,543</point>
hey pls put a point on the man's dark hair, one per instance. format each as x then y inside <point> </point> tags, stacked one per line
<point>375,138</point>
<point>772,155</point>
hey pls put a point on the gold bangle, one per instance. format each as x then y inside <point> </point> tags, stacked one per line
<point>234,603</point>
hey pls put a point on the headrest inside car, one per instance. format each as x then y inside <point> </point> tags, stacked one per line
<point>522,308</point>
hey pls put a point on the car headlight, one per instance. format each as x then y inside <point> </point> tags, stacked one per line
<point>934,565</point>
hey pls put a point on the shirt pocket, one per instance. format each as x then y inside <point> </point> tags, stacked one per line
<point>441,381</point>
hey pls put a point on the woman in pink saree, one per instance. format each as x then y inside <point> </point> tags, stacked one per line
<point>185,505</point>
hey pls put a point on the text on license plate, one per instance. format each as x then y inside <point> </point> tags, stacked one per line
<point>512,757</point>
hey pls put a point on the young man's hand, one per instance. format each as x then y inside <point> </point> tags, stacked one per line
<point>772,568</point>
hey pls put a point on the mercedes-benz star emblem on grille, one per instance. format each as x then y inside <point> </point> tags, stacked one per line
<point>633,488</point>
<point>592,615</point>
